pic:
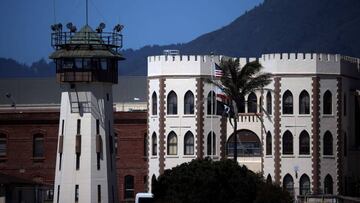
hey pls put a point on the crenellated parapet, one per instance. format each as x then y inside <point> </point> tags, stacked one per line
<point>277,63</point>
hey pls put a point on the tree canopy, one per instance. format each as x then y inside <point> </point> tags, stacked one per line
<point>204,180</point>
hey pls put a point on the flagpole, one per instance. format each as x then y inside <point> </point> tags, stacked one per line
<point>212,106</point>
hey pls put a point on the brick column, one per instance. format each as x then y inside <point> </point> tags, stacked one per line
<point>162,125</point>
<point>277,130</point>
<point>223,138</point>
<point>199,117</point>
<point>339,144</point>
<point>315,118</point>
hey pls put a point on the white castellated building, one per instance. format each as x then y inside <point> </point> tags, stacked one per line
<point>309,139</point>
<point>86,68</point>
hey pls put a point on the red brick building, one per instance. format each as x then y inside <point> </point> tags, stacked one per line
<point>28,142</point>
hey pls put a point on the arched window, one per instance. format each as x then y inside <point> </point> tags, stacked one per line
<point>211,103</point>
<point>304,143</point>
<point>3,145</point>
<point>304,185</point>
<point>304,102</point>
<point>154,144</point>
<point>268,143</point>
<point>146,145</point>
<point>288,143</point>
<point>252,103</point>
<point>328,184</point>
<point>172,144</point>
<point>38,145</point>
<point>269,179</point>
<point>328,143</point>
<point>154,104</point>
<point>248,144</point>
<point>241,108</point>
<point>288,184</point>
<point>211,144</point>
<point>268,103</point>
<point>153,181</point>
<point>189,143</point>
<point>172,103</point>
<point>327,103</point>
<point>287,103</point>
<point>189,103</point>
<point>129,187</point>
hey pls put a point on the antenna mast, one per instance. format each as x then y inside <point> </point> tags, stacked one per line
<point>87,12</point>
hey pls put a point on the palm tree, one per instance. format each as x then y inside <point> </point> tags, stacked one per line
<point>236,82</point>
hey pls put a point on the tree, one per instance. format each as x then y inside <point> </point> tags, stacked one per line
<point>204,180</point>
<point>236,82</point>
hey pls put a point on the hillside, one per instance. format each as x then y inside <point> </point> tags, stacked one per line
<point>328,26</point>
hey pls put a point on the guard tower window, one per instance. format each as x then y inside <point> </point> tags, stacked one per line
<point>79,63</point>
<point>304,103</point>
<point>68,63</point>
<point>76,193</point>
<point>252,103</point>
<point>78,126</point>
<point>211,103</point>
<point>103,64</point>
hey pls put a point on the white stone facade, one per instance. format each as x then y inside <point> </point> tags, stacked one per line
<point>314,74</point>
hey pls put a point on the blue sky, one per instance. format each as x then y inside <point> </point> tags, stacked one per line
<point>25,24</point>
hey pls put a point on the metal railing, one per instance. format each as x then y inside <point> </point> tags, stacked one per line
<point>110,39</point>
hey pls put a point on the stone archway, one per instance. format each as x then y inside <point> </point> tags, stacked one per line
<point>248,144</point>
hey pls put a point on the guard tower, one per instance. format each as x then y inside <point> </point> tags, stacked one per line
<point>86,68</point>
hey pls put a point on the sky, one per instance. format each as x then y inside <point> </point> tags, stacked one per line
<point>25,24</point>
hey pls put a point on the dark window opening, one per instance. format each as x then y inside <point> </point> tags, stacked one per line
<point>97,126</point>
<point>211,103</point>
<point>172,144</point>
<point>154,104</point>
<point>98,160</point>
<point>328,184</point>
<point>287,103</point>
<point>327,103</point>
<point>328,143</point>
<point>77,161</point>
<point>60,160</point>
<point>252,103</point>
<point>129,187</point>
<point>3,145</point>
<point>76,193</point>
<point>304,143</point>
<point>288,184</point>
<point>268,103</point>
<point>62,127</point>
<point>247,144</point>
<point>211,144</point>
<point>304,103</point>
<point>172,103</point>
<point>38,146</point>
<point>189,103</point>
<point>99,193</point>
<point>189,143</point>
<point>78,126</point>
<point>154,144</point>
<point>287,140</point>
<point>304,185</point>
<point>268,144</point>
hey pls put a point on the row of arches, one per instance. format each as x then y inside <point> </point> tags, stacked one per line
<point>304,184</point>
<point>172,103</point>
<point>189,143</point>
<point>304,102</point>
<point>304,143</point>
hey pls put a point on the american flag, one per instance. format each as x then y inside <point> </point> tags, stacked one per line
<point>218,71</point>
